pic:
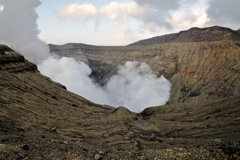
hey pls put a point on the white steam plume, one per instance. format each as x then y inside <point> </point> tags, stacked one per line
<point>1,8</point>
<point>135,86</point>
<point>74,75</point>
<point>18,28</point>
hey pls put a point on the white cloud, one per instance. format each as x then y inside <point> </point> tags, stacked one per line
<point>122,23</point>
<point>121,11</point>
<point>222,12</point>
<point>162,6</point>
<point>183,14</point>
<point>153,16</point>
<point>114,11</point>
<point>77,11</point>
<point>129,18</point>
<point>1,8</point>
<point>189,16</point>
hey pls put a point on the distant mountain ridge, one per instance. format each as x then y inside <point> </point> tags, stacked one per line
<point>195,34</point>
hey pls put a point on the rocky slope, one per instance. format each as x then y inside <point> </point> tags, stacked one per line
<point>12,62</point>
<point>215,33</point>
<point>40,119</point>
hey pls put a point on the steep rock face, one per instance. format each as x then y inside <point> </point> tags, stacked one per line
<point>14,62</point>
<point>215,33</point>
<point>198,71</point>
<point>238,31</point>
<point>104,60</point>
<point>207,72</point>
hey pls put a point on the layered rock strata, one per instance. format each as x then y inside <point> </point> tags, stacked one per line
<point>13,62</point>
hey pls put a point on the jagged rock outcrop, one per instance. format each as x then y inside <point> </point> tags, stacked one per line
<point>238,31</point>
<point>13,62</point>
<point>215,33</point>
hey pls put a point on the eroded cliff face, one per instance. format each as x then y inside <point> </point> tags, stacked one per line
<point>207,71</point>
<point>13,62</point>
<point>198,71</point>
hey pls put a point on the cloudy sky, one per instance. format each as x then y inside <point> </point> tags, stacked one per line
<point>122,22</point>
